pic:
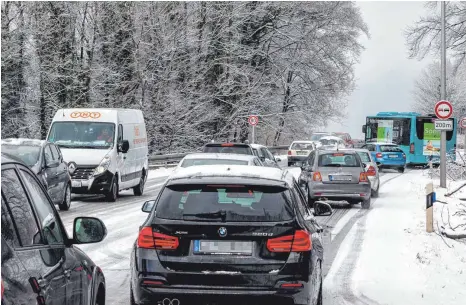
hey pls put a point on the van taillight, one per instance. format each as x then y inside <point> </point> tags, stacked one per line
<point>411,148</point>
<point>289,153</point>
<point>299,242</point>
<point>148,239</point>
<point>378,155</point>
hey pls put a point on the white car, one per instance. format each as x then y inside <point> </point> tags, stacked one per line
<point>372,169</point>
<point>218,159</point>
<point>331,143</point>
<point>265,155</point>
<point>299,151</point>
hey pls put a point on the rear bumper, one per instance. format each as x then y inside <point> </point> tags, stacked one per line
<point>340,191</point>
<point>297,158</point>
<point>390,163</point>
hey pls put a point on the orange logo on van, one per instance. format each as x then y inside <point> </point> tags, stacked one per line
<point>136,131</point>
<point>85,115</point>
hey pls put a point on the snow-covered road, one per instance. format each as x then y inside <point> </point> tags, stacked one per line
<point>367,252</point>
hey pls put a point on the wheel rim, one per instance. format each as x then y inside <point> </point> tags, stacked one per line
<point>114,191</point>
<point>68,196</point>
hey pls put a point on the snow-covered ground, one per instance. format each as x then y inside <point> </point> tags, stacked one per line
<point>388,257</point>
<point>160,172</point>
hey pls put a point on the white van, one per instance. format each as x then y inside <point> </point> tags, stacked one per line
<point>106,149</point>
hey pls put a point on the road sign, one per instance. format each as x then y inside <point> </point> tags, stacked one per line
<point>443,125</point>
<point>253,120</point>
<point>463,123</point>
<point>443,110</point>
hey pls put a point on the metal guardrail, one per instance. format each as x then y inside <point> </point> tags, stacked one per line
<point>172,160</point>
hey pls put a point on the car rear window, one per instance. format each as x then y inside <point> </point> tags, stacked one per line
<point>328,141</point>
<point>364,156</point>
<point>227,149</point>
<point>27,153</point>
<point>390,148</point>
<point>241,203</point>
<point>338,160</point>
<point>194,162</point>
<point>301,146</point>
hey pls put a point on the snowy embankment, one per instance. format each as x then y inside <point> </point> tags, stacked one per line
<point>450,209</point>
<point>160,172</point>
<point>399,262</point>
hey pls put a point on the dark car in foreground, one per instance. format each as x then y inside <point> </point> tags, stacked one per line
<point>46,161</point>
<point>225,234</point>
<point>336,175</point>
<point>40,263</point>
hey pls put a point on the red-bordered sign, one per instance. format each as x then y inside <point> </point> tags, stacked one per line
<point>463,123</point>
<point>443,110</point>
<point>253,120</point>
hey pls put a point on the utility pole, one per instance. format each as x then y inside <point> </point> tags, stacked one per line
<point>443,135</point>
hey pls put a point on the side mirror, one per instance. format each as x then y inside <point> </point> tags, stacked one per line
<point>123,146</point>
<point>262,159</point>
<point>278,159</point>
<point>52,164</point>
<point>364,165</point>
<point>322,209</point>
<point>363,129</point>
<point>88,230</point>
<point>148,206</point>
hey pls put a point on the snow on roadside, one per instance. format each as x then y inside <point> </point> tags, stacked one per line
<point>400,263</point>
<point>160,172</point>
<point>451,217</point>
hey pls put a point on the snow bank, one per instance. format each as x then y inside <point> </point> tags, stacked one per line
<point>160,172</point>
<point>451,217</point>
<point>400,263</point>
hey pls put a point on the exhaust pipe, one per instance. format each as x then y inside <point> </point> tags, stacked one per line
<point>168,301</point>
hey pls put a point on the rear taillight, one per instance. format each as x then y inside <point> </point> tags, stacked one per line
<point>152,240</point>
<point>289,153</point>
<point>317,176</point>
<point>411,148</point>
<point>227,144</point>
<point>362,177</point>
<point>299,242</point>
<point>152,283</point>
<point>371,171</point>
<point>291,285</point>
<point>378,155</point>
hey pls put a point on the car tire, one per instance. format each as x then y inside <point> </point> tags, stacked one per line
<point>310,201</point>
<point>401,169</point>
<point>66,203</point>
<point>366,204</point>
<point>320,298</point>
<point>131,296</point>
<point>112,193</point>
<point>138,190</point>
<point>290,164</point>
<point>375,193</point>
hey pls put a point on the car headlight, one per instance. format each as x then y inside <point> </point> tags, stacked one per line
<point>103,166</point>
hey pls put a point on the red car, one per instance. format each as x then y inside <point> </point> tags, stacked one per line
<point>346,137</point>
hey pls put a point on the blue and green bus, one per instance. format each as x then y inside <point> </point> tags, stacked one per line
<point>413,132</point>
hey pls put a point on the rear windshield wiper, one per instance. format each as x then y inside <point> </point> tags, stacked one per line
<point>222,214</point>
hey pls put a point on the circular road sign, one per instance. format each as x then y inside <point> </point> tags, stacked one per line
<point>463,123</point>
<point>253,120</point>
<point>443,110</point>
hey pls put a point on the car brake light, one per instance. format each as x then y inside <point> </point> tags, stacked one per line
<point>299,242</point>
<point>411,148</point>
<point>148,239</point>
<point>362,177</point>
<point>378,155</point>
<point>317,176</point>
<point>3,289</point>
<point>291,285</point>
<point>152,283</point>
<point>371,171</point>
<point>289,153</point>
<point>227,144</point>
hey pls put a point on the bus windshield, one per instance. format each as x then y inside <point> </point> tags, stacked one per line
<point>389,130</point>
<point>82,135</point>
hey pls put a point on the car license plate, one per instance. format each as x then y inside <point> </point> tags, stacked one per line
<point>223,247</point>
<point>393,156</point>
<point>339,178</point>
<point>301,152</point>
<point>75,183</point>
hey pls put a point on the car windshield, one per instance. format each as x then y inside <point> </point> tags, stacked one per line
<point>328,141</point>
<point>233,149</point>
<point>301,146</point>
<point>390,148</point>
<point>338,160</point>
<point>194,162</point>
<point>29,154</point>
<point>82,134</point>
<point>225,202</point>
<point>364,156</point>
<point>318,136</point>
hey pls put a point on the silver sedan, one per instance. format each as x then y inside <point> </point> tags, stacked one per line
<point>372,170</point>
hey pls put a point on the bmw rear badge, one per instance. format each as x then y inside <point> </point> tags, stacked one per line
<point>222,232</point>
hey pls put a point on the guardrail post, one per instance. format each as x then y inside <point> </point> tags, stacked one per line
<point>430,199</point>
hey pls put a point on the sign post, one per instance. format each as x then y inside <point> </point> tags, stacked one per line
<point>253,120</point>
<point>430,199</point>
<point>463,125</point>
<point>443,110</point>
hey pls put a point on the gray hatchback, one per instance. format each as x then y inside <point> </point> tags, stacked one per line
<point>336,175</point>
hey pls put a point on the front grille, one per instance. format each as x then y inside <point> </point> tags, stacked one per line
<point>82,173</point>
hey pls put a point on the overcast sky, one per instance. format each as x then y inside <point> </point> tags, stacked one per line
<point>385,75</point>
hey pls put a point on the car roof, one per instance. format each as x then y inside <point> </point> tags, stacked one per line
<point>220,156</point>
<point>356,149</point>
<point>382,143</point>
<point>227,173</point>
<point>334,151</point>
<point>304,142</point>
<point>229,144</point>
<point>257,146</point>
<point>23,141</point>
<point>330,138</point>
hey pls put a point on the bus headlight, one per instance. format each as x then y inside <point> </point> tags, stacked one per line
<point>103,166</point>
